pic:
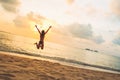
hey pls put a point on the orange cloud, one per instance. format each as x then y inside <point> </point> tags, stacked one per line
<point>24,21</point>
<point>115,7</point>
<point>70,1</point>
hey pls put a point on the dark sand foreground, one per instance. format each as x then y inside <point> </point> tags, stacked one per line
<point>20,68</point>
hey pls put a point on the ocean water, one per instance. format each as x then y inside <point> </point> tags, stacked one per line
<point>62,53</point>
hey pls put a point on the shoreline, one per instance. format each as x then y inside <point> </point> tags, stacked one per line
<point>13,67</point>
<point>99,68</point>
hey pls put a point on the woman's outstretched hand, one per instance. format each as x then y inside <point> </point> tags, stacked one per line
<point>50,27</point>
<point>35,25</point>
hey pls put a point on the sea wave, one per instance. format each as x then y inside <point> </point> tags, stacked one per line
<point>60,59</point>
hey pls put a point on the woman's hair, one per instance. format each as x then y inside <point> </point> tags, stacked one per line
<point>42,32</point>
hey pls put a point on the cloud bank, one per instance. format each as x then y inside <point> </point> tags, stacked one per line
<point>10,5</point>
<point>25,21</point>
<point>85,32</point>
<point>117,40</point>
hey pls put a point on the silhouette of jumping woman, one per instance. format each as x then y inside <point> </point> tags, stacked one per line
<point>42,36</point>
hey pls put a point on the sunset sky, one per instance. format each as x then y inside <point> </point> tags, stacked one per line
<point>85,22</point>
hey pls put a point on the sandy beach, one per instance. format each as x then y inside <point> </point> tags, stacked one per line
<point>20,68</point>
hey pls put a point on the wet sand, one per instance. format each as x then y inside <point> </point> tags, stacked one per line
<point>20,68</point>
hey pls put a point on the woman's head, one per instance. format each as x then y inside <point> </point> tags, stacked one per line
<point>43,32</point>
